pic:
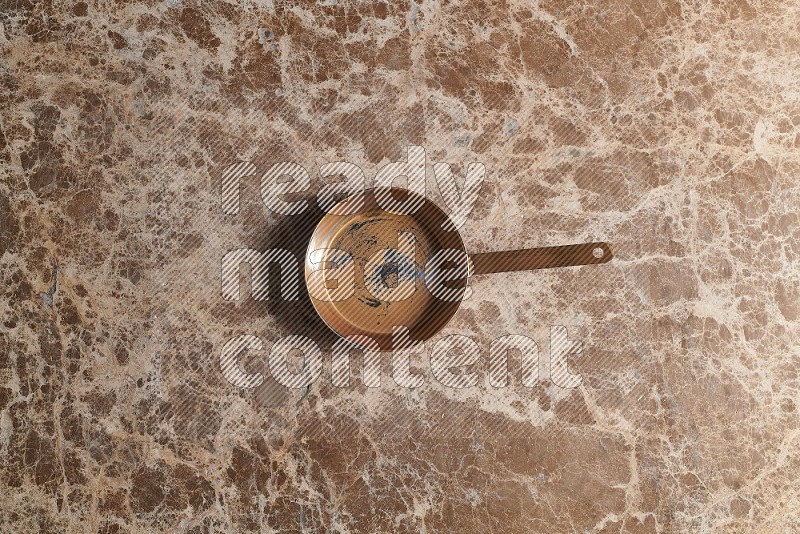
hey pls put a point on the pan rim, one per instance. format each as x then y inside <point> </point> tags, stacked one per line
<point>379,337</point>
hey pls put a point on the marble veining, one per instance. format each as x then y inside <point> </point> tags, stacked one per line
<point>670,129</point>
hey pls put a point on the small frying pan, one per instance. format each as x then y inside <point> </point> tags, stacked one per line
<point>368,269</point>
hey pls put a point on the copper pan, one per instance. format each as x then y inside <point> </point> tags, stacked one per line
<point>364,280</point>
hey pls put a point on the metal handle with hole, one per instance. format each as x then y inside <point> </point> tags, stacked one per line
<point>541,258</point>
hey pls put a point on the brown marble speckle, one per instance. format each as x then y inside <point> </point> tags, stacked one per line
<point>669,129</point>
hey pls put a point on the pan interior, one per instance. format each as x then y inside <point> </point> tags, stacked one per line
<point>389,289</point>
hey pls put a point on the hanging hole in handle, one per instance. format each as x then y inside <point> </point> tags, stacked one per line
<point>598,252</point>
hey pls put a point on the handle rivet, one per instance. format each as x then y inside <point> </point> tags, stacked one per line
<point>598,252</point>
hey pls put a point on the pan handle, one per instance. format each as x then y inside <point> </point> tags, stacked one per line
<point>541,258</point>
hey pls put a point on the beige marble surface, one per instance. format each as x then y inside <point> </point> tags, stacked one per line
<point>670,129</point>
